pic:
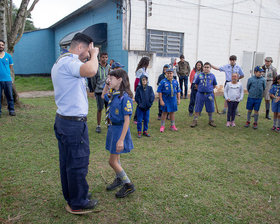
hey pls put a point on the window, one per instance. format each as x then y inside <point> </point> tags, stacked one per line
<point>164,43</point>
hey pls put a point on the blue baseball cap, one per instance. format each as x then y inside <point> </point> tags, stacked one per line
<point>117,65</point>
<point>258,69</point>
<point>170,69</point>
<point>166,66</point>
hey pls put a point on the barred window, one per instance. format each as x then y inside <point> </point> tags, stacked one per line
<point>164,43</point>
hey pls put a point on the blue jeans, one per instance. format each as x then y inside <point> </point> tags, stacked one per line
<point>73,144</point>
<point>184,79</point>
<point>7,86</point>
<point>142,115</point>
<point>192,100</point>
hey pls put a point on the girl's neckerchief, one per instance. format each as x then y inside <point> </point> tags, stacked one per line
<point>171,87</point>
<point>114,93</point>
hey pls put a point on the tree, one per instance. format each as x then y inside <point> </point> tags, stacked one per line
<point>11,30</point>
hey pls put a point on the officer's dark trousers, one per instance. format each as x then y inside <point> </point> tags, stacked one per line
<point>73,144</point>
<point>142,115</point>
<point>192,100</point>
<point>159,109</point>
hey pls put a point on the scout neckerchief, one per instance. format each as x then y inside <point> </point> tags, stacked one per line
<point>109,104</point>
<point>171,87</point>
<point>101,68</point>
<point>277,89</point>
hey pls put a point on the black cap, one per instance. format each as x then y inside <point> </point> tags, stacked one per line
<point>80,37</point>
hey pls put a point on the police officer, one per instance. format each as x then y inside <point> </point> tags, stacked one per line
<point>68,77</point>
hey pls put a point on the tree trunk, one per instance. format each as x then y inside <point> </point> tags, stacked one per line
<point>3,30</point>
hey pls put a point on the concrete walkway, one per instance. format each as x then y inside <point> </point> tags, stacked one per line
<point>35,94</point>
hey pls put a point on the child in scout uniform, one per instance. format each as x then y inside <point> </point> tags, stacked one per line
<point>118,139</point>
<point>205,83</point>
<point>233,94</point>
<point>255,87</point>
<point>169,96</point>
<point>144,98</point>
<point>275,106</point>
<point>161,77</point>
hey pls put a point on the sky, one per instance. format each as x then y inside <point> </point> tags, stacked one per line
<point>48,12</point>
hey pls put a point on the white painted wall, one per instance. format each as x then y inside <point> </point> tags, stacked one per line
<point>213,36</point>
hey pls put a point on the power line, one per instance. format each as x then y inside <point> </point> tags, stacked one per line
<point>218,9</point>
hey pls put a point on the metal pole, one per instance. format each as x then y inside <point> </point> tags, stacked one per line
<point>231,25</point>
<point>197,32</point>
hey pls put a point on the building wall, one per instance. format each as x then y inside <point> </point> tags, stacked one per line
<point>213,30</point>
<point>106,13</point>
<point>34,54</point>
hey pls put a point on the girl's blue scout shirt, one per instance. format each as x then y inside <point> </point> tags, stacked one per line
<point>169,92</point>
<point>205,82</point>
<point>118,108</point>
<point>275,90</point>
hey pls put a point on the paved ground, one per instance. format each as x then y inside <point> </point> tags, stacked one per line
<point>34,94</point>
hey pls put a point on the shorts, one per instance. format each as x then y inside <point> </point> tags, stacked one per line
<point>253,104</point>
<point>100,102</point>
<point>266,93</point>
<point>275,107</point>
<point>204,98</point>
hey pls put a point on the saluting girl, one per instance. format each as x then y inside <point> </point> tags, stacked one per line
<point>118,139</point>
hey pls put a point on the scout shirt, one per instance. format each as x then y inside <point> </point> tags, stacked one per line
<point>229,70</point>
<point>275,90</point>
<point>205,82</point>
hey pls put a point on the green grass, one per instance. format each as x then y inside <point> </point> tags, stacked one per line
<point>24,84</point>
<point>200,175</point>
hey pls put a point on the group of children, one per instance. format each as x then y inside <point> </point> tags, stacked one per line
<point>120,106</point>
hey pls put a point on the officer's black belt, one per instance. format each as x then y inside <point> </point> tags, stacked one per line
<point>117,124</point>
<point>72,118</point>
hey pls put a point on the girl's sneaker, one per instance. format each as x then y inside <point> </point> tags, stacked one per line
<point>161,129</point>
<point>228,123</point>
<point>173,128</point>
<point>273,128</point>
<point>139,134</point>
<point>278,129</point>
<point>135,122</point>
<point>233,124</point>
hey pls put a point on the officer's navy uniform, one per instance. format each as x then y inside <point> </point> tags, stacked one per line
<point>71,128</point>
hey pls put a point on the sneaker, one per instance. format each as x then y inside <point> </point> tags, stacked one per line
<point>12,113</point>
<point>98,129</point>
<point>228,124</point>
<point>161,129</point>
<point>116,183</point>
<point>273,128</point>
<point>238,114</point>
<point>212,123</point>
<point>255,125</point>
<point>278,130</point>
<point>135,122</point>
<point>159,117</point>
<point>247,125</point>
<point>224,111</point>
<point>145,133</point>
<point>173,128</point>
<point>233,124</point>
<point>87,209</point>
<point>194,123</point>
<point>125,190</point>
<point>139,134</point>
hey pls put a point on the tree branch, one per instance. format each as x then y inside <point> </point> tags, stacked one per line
<point>20,33</point>
<point>32,7</point>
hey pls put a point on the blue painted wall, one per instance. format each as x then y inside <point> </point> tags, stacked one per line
<point>103,14</point>
<point>34,54</point>
<point>37,51</point>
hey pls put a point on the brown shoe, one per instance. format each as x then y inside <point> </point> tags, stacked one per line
<point>194,123</point>
<point>211,123</point>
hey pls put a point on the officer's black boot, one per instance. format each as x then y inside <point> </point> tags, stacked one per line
<point>267,115</point>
